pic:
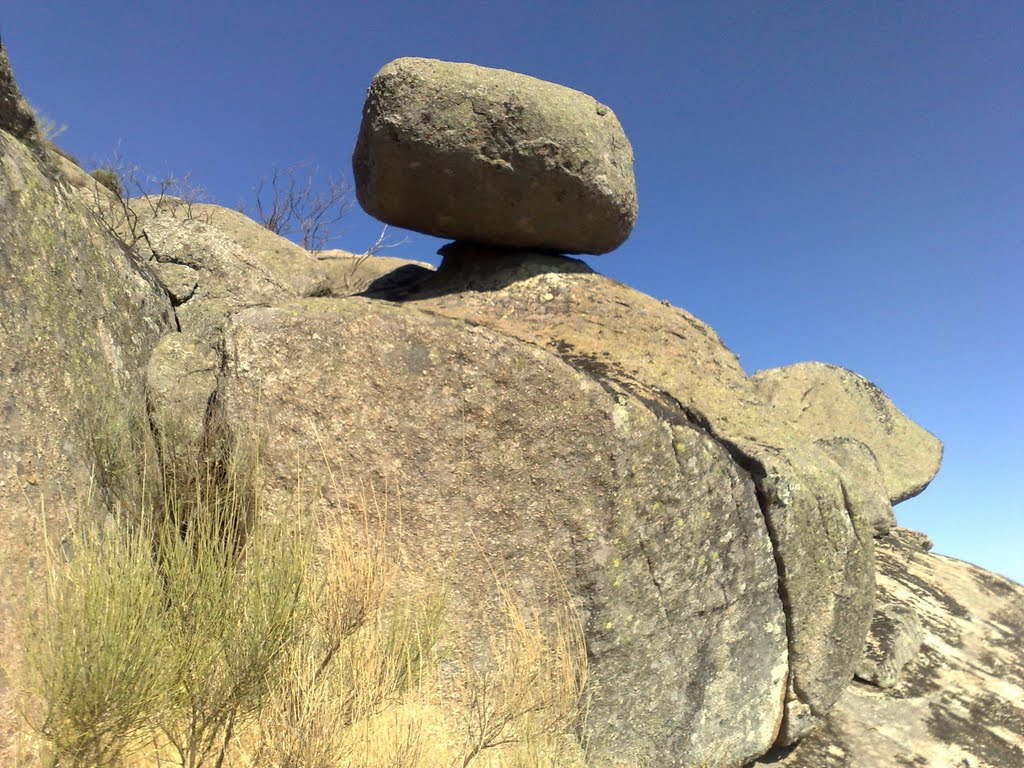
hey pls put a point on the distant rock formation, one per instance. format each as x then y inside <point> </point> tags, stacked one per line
<point>720,535</point>
<point>489,156</point>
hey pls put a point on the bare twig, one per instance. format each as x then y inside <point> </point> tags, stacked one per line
<point>289,203</point>
<point>129,186</point>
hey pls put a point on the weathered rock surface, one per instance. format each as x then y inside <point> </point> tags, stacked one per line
<point>181,379</point>
<point>352,273</point>
<point>512,461</point>
<point>215,261</point>
<point>823,401</point>
<point>863,478</point>
<point>922,542</point>
<point>894,639</point>
<point>79,315</point>
<point>960,701</point>
<point>472,153</point>
<point>820,530</point>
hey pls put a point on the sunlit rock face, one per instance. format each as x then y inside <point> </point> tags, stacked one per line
<point>79,315</point>
<point>959,701</point>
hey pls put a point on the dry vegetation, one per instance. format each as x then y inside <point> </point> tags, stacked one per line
<point>290,203</point>
<point>123,190</point>
<point>190,628</point>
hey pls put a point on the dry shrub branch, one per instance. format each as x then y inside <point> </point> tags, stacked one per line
<point>123,189</point>
<point>291,202</point>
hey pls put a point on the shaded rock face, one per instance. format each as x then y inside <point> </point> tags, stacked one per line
<point>959,701</point>
<point>79,315</point>
<point>489,156</point>
<point>352,273</point>
<point>824,401</point>
<point>510,460</point>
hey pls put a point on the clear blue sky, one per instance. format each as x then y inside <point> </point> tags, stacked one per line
<point>819,181</point>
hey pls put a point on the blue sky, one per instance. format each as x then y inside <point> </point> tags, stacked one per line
<point>819,181</point>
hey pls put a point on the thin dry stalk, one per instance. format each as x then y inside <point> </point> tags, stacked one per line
<point>362,653</point>
<point>129,190</point>
<point>529,696</point>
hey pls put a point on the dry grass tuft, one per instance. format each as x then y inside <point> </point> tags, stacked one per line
<point>188,629</point>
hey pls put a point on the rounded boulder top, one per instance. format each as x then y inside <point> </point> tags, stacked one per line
<point>489,156</point>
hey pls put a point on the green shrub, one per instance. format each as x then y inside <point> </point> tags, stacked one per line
<point>96,645</point>
<point>173,620</point>
<point>234,607</point>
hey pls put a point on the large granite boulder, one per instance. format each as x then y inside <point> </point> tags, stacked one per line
<point>79,314</point>
<point>512,462</point>
<point>821,530</point>
<point>823,401</point>
<point>472,153</point>
<point>959,702</point>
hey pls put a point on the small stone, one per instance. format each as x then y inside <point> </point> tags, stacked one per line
<point>894,639</point>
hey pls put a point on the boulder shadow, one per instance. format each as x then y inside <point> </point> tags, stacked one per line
<point>469,266</point>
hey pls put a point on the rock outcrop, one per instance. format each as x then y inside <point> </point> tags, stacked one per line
<point>79,316</point>
<point>16,117</point>
<point>215,262</point>
<point>485,155</point>
<point>894,639</point>
<point>825,401</point>
<point>959,702</point>
<point>512,461</point>
<point>821,532</point>
<point>719,535</point>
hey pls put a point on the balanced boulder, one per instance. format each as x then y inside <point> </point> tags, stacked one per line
<point>472,153</point>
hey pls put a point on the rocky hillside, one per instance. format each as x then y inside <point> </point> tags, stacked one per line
<point>728,541</point>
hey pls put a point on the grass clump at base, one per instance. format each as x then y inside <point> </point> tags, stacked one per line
<point>95,648</point>
<point>194,630</point>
